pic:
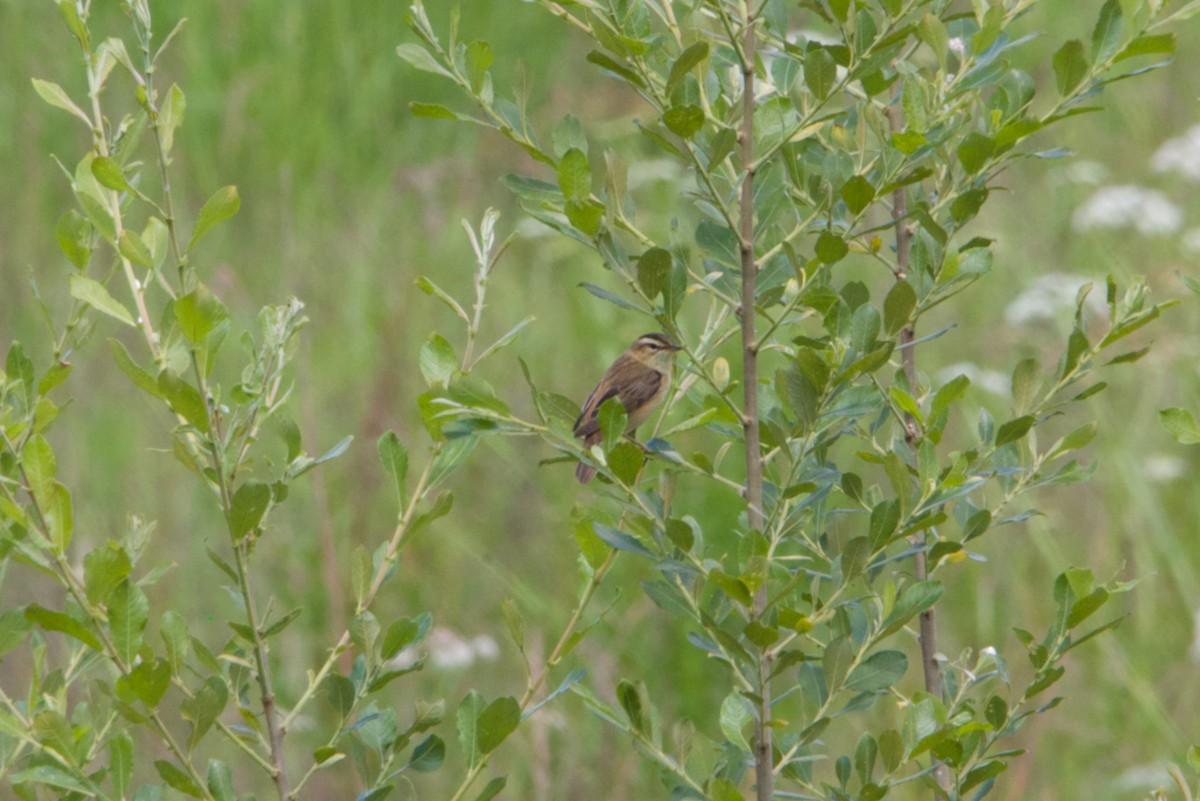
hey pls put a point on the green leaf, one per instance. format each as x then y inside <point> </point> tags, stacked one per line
<point>1070,66</point>
<point>836,662</point>
<point>173,629</point>
<point>1180,424</point>
<point>109,174</point>
<point>492,789</point>
<point>479,59</point>
<point>585,215</point>
<point>1109,30</point>
<point>881,670</point>
<point>898,307</point>
<point>394,456</point>
<point>914,599</point>
<point>361,573</point>
<point>14,625</point>
<point>140,378</point>
<point>131,247</point>
<point>57,621</point>
<point>684,121</point>
<point>858,193</point>
<point>467,721</point>
<point>127,613</point>
<point>606,62</point>
<point>653,270</point>
<point>53,94</point>
<point>174,777</point>
<point>820,70</point>
<point>149,681</point>
<point>103,569</point>
<point>204,707</point>
<point>513,622</point>
<point>974,151</point>
<point>831,248</point>
<point>95,295</point>
<point>223,204</point>
<point>1025,383</point>
<point>689,59</point>
<point>198,313</point>
<point>51,776</point>
<point>428,755</point>
<point>435,111</point>
<point>250,503</point>
<point>419,57</point>
<point>185,400</point>
<point>438,361</point>
<point>620,540</point>
<point>496,722</point>
<point>736,713</point>
<point>40,467</point>
<point>575,175</point>
<point>404,632</point>
<point>625,460</point>
<point>220,781</point>
<point>120,763</point>
<point>932,31</point>
<point>1014,430</point>
<point>1149,44</point>
<point>73,233</point>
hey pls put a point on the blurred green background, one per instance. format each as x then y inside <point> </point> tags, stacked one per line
<point>347,199</point>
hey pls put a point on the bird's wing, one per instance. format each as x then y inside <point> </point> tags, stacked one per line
<point>638,394</point>
<point>586,424</point>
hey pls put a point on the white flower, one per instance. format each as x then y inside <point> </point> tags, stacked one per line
<point>958,45</point>
<point>1048,298</point>
<point>1180,155</point>
<point>1148,210</point>
<point>1080,171</point>
<point>1160,467</point>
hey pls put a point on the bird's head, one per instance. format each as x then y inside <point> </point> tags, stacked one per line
<point>654,350</point>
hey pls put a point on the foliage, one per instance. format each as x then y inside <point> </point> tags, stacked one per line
<point>806,150</point>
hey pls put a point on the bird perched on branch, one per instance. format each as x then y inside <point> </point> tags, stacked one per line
<point>639,378</point>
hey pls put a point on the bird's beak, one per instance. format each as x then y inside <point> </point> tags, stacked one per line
<point>675,348</point>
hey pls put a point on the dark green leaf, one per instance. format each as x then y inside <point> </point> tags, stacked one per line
<point>341,694</point>
<point>898,307</point>
<point>831,248</point>
<point>103,569</point>
<point>57,621</point>
<point>1014,430</point>
<point>653,269</point>
<point>881,670</point>
<point>176,778</point>
<point>438,361</point>
<point>127,613</point>
<point>149,681</point>
<point>974,152</point>
<point>626,460</point>
<point>620,540</point>
<point>394,456</point>
<point>689,59</point>
<point>109,174</point>
<point>250,503</point>
<point>1070,66</point>
<point>684,121</point>
<point>1149,44</point>
<point>605,62</point>
<point>1109,30</point>
<point>434,111</point>
<point>479,59</point>
<point>492,789</point>
<point>820,70</point>
<point>184,399</point>
<point>496,722</point>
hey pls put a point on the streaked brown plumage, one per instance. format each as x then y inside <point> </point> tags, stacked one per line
<point>639,378</point>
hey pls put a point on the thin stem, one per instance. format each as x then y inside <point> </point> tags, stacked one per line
<point>764,776</point>
<point>908,357</point>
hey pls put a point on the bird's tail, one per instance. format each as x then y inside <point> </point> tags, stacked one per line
<point>584,472</point>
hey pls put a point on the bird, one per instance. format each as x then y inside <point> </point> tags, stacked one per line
<point>639,378</point>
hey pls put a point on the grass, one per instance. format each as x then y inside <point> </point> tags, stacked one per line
<point>348,199</point>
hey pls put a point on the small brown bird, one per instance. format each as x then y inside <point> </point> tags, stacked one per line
<point>639,378</point>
